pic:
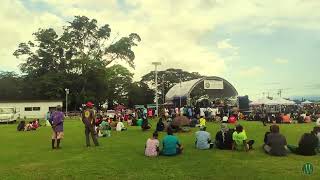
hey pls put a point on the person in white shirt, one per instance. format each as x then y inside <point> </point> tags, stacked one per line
<point>202,112</point>
<point>120,126</point>
<point>318,121</point>
<point>225,119</point>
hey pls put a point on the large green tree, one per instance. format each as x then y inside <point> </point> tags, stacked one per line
<point>77,59</point>
<point>10,86</point>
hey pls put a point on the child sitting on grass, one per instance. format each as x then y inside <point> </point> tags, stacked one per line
<point>152,146</point>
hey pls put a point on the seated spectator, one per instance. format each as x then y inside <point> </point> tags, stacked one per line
<point>152,146</point>
<point>202,122</point>
<point>286,119</point>
<point>129,121</point>
<point>171,144</point>
<point>318,120</point>
<point>308,144</point>
<point>105,129</point>
<point>120,126</point>
<point>232,119</point>
<point>145,124</point>
<point>240,140</point>
<point>160,125</point>
<point>29,127</point>
<point>224,137</point>
<point>35,124</point>
<point>225,119</point>
<point>307,119</point>
<point>21,126</point>
<point>275,143</point>
<point>139,122</point>
<point>278,118</point>
<point>203,139</point>
<point>194,122</point>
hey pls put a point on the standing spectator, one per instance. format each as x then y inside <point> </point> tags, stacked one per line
<point>57,118</point>
<point>275,143</point>
<point>203,139</point>
<point>88,117</point>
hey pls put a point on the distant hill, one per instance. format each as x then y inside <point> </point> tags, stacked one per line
<point>310,98</point>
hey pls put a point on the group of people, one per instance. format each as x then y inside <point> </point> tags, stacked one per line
<point>226,138</point>
<point>236,139</point>
<point>31,126</point>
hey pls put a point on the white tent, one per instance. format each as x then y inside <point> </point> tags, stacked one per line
<point>276,101</point>
<point>306,102</point>
<point>281,101</point>
<point>264,101</point>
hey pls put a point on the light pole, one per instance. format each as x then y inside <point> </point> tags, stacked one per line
<point>67,93</point>
<point>180,89</point>
<point>163,95</point>
<point>156,64</point>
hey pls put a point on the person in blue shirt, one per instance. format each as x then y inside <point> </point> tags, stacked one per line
<point>203,139</point>
<point>171,144</point>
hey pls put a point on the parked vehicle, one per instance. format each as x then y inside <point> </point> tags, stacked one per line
<point>8,114</point>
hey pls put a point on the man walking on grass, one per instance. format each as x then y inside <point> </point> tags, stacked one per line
<point>88,119</point>
<point>57,118</point>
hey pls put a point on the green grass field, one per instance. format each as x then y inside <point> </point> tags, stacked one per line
<point>28,155</point>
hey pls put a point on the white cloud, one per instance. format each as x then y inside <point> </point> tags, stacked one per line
<point>169,29</point>
<point>252,71</point>
<point>281,61</point>
<point>225,44</point>
<point>17,25</point>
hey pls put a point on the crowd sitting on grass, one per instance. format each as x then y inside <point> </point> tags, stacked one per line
<point>226,138</point>
<point>30,126</point>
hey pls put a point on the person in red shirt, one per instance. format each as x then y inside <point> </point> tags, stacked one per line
<point>232,119</point>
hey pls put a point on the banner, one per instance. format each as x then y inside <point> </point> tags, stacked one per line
<point>213,84</point>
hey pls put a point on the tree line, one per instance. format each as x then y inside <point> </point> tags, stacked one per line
<point>83,59</point>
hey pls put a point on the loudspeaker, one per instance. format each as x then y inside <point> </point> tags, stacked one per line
<point>243,102</point>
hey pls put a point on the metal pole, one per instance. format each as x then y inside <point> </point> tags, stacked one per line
<point>180,90</point>
<point>67,92</point>
<point>156,64</point>
<point>163,99</point>
<point>156,76</point>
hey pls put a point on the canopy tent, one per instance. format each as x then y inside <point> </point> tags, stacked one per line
<point>264,101</point>
<point>273,102</point>
<point>282,101</point>
<point>306,102</point>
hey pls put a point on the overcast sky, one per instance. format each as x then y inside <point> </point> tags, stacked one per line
<point>259,46</point>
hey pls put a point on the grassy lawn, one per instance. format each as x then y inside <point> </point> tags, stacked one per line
<point>28,155</point>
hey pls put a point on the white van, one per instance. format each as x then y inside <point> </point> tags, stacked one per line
<point>8,114</point>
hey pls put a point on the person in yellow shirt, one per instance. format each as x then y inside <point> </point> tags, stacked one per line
<point>202,121</point>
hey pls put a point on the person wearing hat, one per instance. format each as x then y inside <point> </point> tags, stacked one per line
<point>57,127</point>
<point>203,139</point>
<point>224,137</point>
<point>88,119</point>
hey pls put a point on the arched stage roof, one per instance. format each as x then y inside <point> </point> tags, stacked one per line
<point>186,88</point>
